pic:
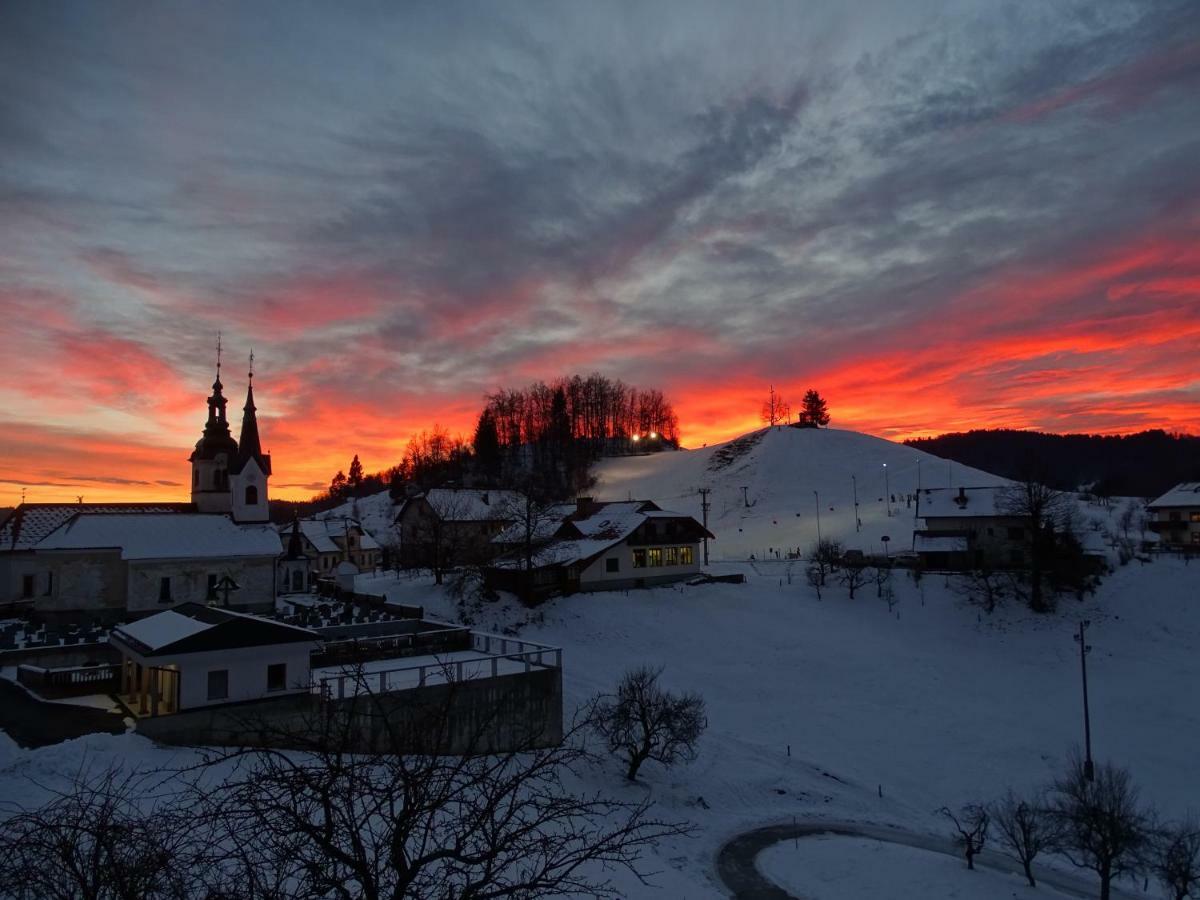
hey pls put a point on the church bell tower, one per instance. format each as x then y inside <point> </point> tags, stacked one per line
<point>251,468</point>
<point>215,452</point>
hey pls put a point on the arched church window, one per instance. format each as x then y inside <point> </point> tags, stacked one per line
<point>251,495</point>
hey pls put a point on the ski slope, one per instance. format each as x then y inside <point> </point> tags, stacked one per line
<point>767,488</point>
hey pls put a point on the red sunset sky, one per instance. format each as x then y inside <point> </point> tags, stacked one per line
<point>944,217</point>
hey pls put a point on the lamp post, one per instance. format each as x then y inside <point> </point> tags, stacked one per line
<point>817,501</point>
<point>857,520</point>
<point>1089,769</point>
<point>887,494</point>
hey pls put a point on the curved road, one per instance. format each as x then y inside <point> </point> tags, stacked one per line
<point>735,860</point>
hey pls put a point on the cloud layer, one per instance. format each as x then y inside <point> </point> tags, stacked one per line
<point>942,215</point>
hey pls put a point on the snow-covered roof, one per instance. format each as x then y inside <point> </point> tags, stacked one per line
<point>959,503</point>
<point>161,629</point>
<point>940,543</point>
<point>164,536</point>
<point>469,505</point>
<point>585,533</point>
<point>192,628</point>
<point>1186,494</point>
<point>321,533</point>
<point>30,522</point>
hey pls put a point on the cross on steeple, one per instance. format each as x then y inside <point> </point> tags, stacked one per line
<point>251,374</point>
<point>218,356</point>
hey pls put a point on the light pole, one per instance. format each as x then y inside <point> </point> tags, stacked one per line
<point>857,520</point>
<point>817,501</point>
<point>887,495</point>
<point>1089,770</point>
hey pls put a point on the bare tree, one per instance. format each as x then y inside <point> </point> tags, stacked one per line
<point>774,409</point>
<point>853,575</point>
<point>534,518</point>
<point>970,827</point>
<point>1176,860</point>
<point>107,838</point>
<point>372,806</point>
<point>1102,822</point>
<point>1025,828</point>
<point>643,721</point>
<point>823,558</point>
<point>984,587</point>
<point>1042,510</point>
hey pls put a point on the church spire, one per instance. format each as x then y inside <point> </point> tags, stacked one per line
<point>249,445</point>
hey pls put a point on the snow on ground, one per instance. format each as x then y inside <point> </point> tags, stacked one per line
<point>829,867</point>
<point>780,468</point>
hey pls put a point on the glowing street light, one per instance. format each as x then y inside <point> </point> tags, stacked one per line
<point>635,438</point>
<point>653,435</point>
<point>887,494</point>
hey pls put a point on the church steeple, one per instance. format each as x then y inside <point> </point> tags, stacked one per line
<point>248,485</point>
<point>214,453</point>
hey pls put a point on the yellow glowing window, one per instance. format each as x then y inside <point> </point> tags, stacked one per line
<point>685,556</point>
<point>654,557</point>
<point>672,556</point>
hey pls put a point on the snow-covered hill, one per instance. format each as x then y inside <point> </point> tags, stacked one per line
<point>763,487</point>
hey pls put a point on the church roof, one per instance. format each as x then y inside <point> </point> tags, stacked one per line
<point>30,522</point>
<point>151,536</point>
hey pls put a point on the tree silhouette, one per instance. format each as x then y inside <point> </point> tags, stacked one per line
<point>488,456</point>
<point>814,411</point>
<point>355,478</point>
<point>774,409</point>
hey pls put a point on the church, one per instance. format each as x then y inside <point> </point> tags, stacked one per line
<point>117,561</point>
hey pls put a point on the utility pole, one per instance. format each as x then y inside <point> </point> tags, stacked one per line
<point>1089,769</point>
<point>857,520</point>
<point>745,497</point>
<point>704,507</point>
<point>817,500</point>
<point>887,497</point>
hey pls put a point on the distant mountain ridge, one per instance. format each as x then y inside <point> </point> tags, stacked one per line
<point>1135,465</point>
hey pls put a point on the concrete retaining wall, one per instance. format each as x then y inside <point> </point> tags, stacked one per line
<point>481,715</point>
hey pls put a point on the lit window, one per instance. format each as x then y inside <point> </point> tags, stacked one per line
<point>686,557</point>
<point>639,559</point>
<point>1195,517</point>
<point>654,557</point>
<point>672,556</point>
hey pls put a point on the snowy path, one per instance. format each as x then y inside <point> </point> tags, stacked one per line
<point>736,859</point>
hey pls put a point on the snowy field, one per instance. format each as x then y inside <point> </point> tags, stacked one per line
<point>932,703</point>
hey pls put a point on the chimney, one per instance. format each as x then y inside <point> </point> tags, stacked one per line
<point>584,506</point>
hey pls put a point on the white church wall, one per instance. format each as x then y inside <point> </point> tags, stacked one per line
<point>87,581</point>
<point>250,476</point>
<point>189,582</point>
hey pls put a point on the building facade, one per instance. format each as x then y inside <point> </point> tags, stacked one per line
<point>1176,516</point>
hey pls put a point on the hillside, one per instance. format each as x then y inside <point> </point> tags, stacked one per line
<point>1134,465</point>
<point>780,469</point>
<point>376,513</point>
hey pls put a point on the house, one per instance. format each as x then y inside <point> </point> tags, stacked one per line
<point>197,656</point>
<point>326,543</point>
<point>968,527</point>
<point>447,526</point>
<point>119,566</point>
<point>1176,516</point>
<point>598,546</point>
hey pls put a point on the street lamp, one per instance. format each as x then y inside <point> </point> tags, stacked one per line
<point>887,493</point>
<point>817,501</point>
<point>857,520</point>
<point>1089,770</point>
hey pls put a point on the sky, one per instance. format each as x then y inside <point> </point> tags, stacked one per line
<point>940,215</point>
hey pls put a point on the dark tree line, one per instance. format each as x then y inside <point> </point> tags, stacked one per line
<point>1134,465</point>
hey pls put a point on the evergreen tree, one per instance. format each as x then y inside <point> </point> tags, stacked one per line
<point>815,412</point>
<point>337,487</point>
<point>487,446</point>
<point>356,472</point>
